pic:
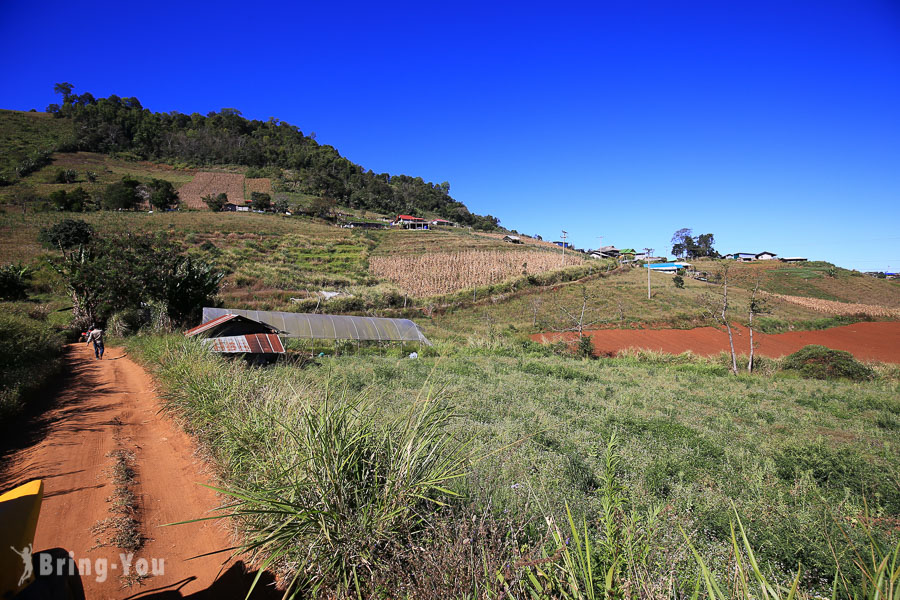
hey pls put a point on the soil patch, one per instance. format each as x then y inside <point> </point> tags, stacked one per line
<point>866,341</point>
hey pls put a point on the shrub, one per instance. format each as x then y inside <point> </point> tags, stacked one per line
<point>819,362</point>
<point>28,355</point>
<point>67,234</point>
<point>66,176</point>
<point>121,196</point>
<point>585,347</point>
<point>14,282</point>
<point>33,162</point>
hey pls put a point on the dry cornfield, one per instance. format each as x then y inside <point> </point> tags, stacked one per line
<point>204,183</point>
<point>261,184</point>
<point>445,272</point>
<point>840,308</point>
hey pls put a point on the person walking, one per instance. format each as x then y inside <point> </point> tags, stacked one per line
<point>95,335</point>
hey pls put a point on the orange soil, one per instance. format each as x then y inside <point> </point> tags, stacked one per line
<point>102,406</point>
<point>867,341</point>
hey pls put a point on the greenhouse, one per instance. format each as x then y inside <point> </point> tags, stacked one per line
<point>329,327</point>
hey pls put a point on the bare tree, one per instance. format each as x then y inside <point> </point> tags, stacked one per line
<point>717,309</point>
<point>647,253</point>
<point>536,302</point>
<point>578,317</point>
<point>758,305</point>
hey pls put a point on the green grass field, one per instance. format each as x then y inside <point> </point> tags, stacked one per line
<point>797,459</point>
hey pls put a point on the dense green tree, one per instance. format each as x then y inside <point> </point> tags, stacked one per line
<point>162,194</point>
<point>122,195</point>
<point>260,201</point>
<point>65,89</point>
<point>705,243</point>
<point>684,244</point>
<point>217,202</point>
<point>123,272</point>
<point>67,234</point>
<point>117,124</point>
<point>282,204</point>
<point>322,207</point>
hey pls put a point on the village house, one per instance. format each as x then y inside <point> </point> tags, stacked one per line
<point>766,256</point>
<point>512,239</point>
<point>742,256</point>
<point>411,222</point>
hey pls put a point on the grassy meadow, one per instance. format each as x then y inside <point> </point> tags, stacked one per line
<point>800,461</point>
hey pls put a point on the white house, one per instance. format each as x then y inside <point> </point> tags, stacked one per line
<point>766,256</point>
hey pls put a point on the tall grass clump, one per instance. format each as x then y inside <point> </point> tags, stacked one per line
<point>874,575</point>
<point>350,486</point>
<point>29,355</point>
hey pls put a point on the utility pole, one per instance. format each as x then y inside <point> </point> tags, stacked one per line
<point>647,253</point>
<point>564,234</point>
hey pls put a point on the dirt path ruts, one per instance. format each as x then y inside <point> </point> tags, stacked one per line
<point>110,404</point>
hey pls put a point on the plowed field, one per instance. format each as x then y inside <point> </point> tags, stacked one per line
<point>262,184</point>
<point>867,341</point>
<point>204,184</point>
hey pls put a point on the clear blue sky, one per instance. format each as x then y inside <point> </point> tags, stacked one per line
<point>773,125</point>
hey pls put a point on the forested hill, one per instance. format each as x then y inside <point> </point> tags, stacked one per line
<point>296,161</point>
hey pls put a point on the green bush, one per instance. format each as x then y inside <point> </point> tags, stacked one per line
<point>819,362</point>
<point>585,347</point>
<point>67,234</point>
<point>13,282</point>
<point>28,355</point>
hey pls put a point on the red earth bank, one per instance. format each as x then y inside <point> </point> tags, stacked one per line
<point>866,341</point>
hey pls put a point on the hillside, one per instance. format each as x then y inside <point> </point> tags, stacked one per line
<point>282,263</point>
<point>24,133</point>
<point>298,165</point>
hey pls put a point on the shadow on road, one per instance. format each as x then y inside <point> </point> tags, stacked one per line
<point>230,585</point>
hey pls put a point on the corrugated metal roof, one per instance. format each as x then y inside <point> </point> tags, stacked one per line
<point>253,343</point>
<point>329,327</point>
<point>207,325</point>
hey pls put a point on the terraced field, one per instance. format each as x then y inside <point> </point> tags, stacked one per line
<point>205,183</point>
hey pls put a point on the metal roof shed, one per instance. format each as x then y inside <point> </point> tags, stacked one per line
<point>329,327</point>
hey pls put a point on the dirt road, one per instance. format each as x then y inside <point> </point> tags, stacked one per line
<point>103,407</point>
<point>867,341</point>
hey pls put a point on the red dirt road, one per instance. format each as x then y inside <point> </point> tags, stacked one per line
<point>103,406</point>
<point>866,341</point>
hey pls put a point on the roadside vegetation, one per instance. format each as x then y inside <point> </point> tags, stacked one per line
<point>29,356</point>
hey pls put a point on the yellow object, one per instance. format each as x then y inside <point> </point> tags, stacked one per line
<point>19,510</point>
